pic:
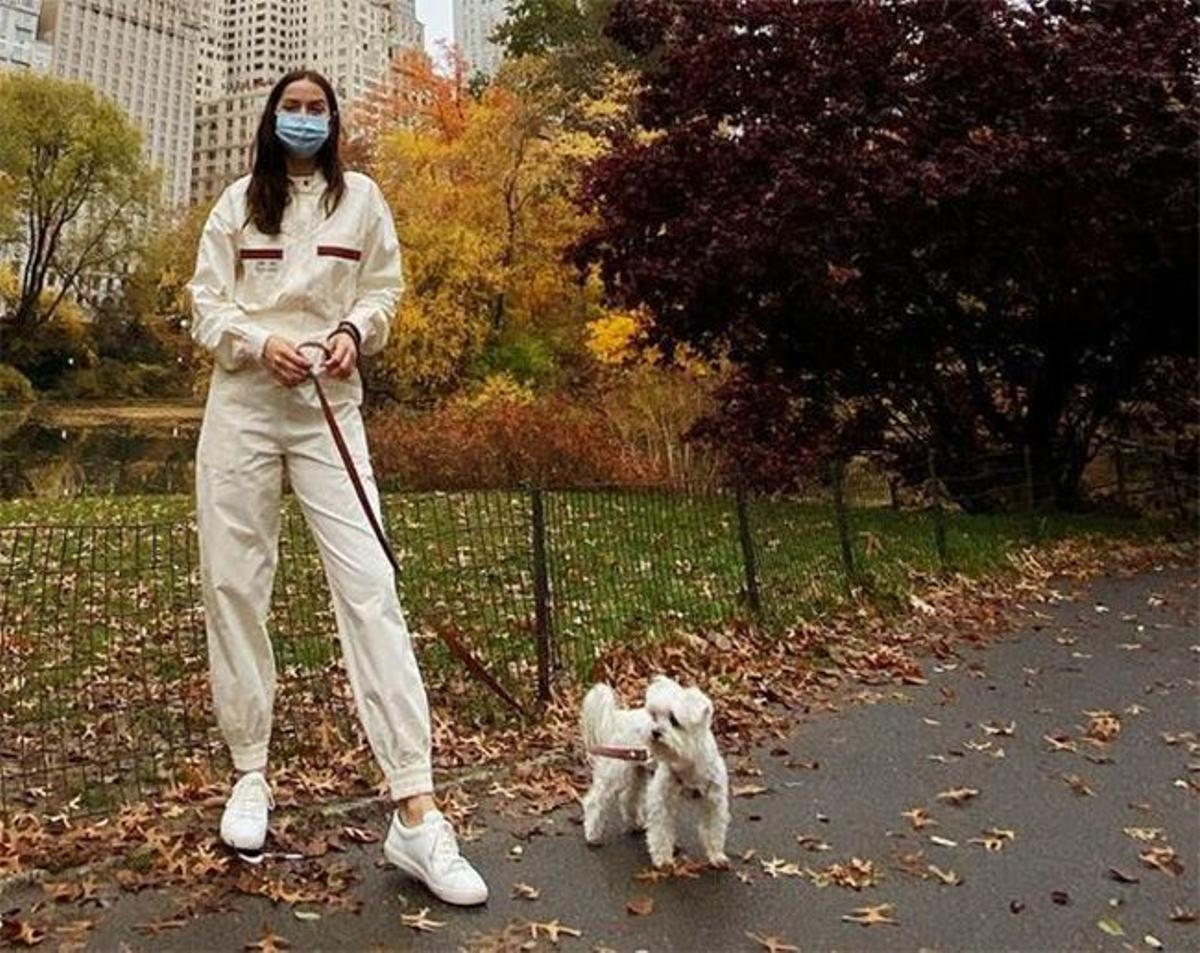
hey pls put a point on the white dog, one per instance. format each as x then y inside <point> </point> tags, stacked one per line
<point>675,726</point>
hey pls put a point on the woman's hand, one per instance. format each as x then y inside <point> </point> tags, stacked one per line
<point>286,364</point>
<point>343,354</point>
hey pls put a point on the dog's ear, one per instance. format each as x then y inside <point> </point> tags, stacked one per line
<point>701,706</point>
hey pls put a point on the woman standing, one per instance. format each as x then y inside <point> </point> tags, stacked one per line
<point>301,251</point>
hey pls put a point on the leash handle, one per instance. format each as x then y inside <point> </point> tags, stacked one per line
<point>459,650</point>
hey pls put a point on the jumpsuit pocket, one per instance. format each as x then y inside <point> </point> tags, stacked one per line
<point>261,272</point>
<point>338,264</point>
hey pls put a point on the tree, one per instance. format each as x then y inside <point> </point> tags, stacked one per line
<point>71,164</point>
<point>483,199</point>
<point>568,37</point>
<point>966,225</point>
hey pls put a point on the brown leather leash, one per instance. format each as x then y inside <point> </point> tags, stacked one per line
<point>460,651</point>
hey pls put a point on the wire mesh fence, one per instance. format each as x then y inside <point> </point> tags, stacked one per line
<point>103,667</point>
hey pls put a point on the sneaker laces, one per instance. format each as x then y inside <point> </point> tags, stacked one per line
<point>251,790</point>
<point>444,854</point>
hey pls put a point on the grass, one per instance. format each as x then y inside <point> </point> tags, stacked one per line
<point>102,647</point>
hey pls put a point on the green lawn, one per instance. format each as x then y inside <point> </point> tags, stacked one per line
<point>102,660</point>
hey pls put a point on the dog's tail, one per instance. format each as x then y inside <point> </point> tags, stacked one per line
<point>599,704</point>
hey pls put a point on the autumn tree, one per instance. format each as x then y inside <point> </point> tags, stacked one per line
<point>966,225</point>
<point>482,191</point>
<point>73,173</point>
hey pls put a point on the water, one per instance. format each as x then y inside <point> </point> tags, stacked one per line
<point>64,450</point>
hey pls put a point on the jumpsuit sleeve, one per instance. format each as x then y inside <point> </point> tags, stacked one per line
<point>218,323</point>
<point>380,280</point>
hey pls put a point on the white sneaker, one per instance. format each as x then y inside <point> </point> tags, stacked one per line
<point>244,821</point>
<point>429,852</point>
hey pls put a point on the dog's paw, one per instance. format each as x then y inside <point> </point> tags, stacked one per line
<point>719,861</point>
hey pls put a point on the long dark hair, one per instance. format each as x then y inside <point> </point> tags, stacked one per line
<point>268,193</point>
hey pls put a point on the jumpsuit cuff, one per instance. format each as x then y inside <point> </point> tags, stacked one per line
<point>250,758</point>
<point>255,338</point>
<point>407,782</point>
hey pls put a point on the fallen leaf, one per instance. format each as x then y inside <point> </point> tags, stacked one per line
<point>526,891</point>
<point>1152,941</point>
<point>947,877</point>
<point>1121,877</point>
<point>942,841</point>
<point>640,906</point>
<point>870,916</point>
<point>551,930</point>
<point>1183,915</point>
<point>1144,834</point>
<point>1162,858</point>
<point>958,796</point>
<point>748,790</point>
<point>269,942</point>
<point>420,921</point>
<point>20,932</point>
<point>1079,785</point>
<point>1104,725</point>
<point>855,874</point>
<point>996,728</point>
<point>1110,926</point>
<point>778,867</point>
<point>773,944</point>
<point>919,818</point>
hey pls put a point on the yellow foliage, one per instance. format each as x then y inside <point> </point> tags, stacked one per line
<point>500,387</point>
<point>485,210</point>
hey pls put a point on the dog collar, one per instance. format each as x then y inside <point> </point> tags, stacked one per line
<point>621,754</point>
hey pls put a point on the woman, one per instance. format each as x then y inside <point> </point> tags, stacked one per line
<point>302,251</point>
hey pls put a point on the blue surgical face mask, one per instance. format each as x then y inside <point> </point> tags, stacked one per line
<point>302,135</point>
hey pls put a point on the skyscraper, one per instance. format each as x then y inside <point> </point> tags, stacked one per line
<point>19,43</point>
<point>474,21</point>
<point>351,42</point>
<point>142,54</point>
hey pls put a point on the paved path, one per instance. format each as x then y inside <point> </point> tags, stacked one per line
<point>1127,646</point>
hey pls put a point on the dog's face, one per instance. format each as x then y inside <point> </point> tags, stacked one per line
<point>681,719</point>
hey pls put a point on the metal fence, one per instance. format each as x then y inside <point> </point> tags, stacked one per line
<point>103,671</point>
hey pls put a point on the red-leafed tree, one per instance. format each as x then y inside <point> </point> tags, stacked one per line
<point>966,225</point>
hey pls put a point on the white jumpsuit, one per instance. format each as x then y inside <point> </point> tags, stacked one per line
<point>298,285</point>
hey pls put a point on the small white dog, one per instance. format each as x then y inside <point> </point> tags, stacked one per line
<point>675,726</point>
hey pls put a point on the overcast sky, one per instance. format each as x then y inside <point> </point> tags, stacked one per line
<point>438,17</point>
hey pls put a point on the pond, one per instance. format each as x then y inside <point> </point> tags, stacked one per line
<point>54,450</point>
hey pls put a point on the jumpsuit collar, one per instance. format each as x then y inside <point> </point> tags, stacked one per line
<point>310,182</point>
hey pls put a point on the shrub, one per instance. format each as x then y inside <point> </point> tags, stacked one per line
<point>502,442</point>
<point>111,378</point>
<point>14,386</point>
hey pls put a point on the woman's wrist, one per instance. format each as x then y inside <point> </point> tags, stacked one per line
<point>345,327</point>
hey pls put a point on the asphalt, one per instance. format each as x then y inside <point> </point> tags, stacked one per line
<point>1127,646</point>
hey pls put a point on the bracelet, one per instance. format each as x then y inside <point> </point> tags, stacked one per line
<point>345,327</point>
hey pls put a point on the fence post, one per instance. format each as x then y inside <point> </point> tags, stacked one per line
<point>1173,480</point>
<point>939,516</point>
<point>1030,494</point>
<point>541,595</point>
<point>837,473</point>
<point>1122,496</point>
<point>748,558</point>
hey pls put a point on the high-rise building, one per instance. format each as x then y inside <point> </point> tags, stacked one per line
<point>19,43</point>
<point>474,21</point>
<point>142,54</point>
<point>351,42</point>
